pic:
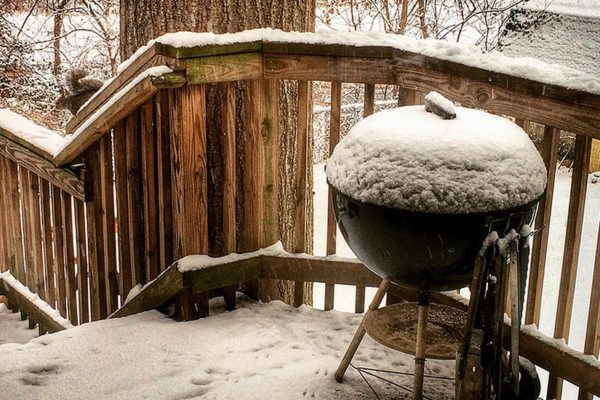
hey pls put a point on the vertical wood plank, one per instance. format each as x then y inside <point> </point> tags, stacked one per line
<point>369,103</point>
<point>48,240</point>
<point>27,211</point>
<point>148,147</point>
<point>592,330</point>
<point>539,248</point>
<point>59,250</point>
<point>334,138</point>
<point>96,230</point>
<point>107,214</point>
<point>126,269</point>
<point>188,150</point>
<point>82,261</point>
<point>406,97</point>
<point>163,159</point>
<point>37,235</point>
<point>228,111</point>
<point>568,277</point>
<point>15,215</point>
<point>303,186</point>
<point>359,302</point>
<point>4,235</point>
<point>71,284</point>
<point>134,199</point>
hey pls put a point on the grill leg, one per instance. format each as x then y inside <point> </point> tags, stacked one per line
<point>360,332</point>
<point>420,350</point>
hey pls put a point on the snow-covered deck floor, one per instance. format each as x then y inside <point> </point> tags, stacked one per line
<point>258,351</point>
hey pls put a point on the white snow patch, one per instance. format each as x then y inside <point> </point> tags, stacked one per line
<point>409,159</point>
<point>45,139</point>
<point>11,283</point>
<point>12,329</point>
<point>257,351</point>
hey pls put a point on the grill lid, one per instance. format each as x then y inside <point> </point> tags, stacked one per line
<point>453,160</point>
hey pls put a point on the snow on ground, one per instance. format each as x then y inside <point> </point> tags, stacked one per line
<point>257,351</point>
<point>12,329</point>
<point>411,159</point>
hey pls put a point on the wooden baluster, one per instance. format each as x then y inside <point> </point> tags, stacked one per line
<point>302,179</point>
<point>82,261</point>
<point>571,251</point>
<point>48,240</point>
<point>71,285</point>
<point>228,113</point>
<point>16,221</point>
<point>163,162</point>
<point>149,191</point>
<point>369,103</point>
<point>59,249</point>
<point>334,138</point>
<point>123,232</point>
<point>540,241</point>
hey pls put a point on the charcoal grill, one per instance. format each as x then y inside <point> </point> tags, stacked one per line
<point>437,251</point>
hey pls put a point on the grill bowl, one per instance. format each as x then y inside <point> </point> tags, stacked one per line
<point>421,250</point>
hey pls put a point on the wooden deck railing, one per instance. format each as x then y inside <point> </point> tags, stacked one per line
<point>145,197</point>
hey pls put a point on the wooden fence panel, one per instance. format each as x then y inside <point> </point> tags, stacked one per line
<point>70,275</point>
<point>48,241</point>
<point>163,163</point>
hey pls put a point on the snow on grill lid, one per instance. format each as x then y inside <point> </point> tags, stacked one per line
<point>410,159</point>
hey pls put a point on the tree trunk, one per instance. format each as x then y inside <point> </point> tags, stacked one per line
<point>156,17</point>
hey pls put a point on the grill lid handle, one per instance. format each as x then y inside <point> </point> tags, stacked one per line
<point>439,105</point>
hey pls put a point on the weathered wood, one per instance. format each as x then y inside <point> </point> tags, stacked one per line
<point>149,194</point>
<point>122,223</point>
<point>209,49</point>
<point>568,277</point>
<point>224,274</point>
<point>328,302</point>
<point>12,196</point>
<point>27,212</point>
<point>82,261</point>
<point>143,61</point>
<point>71,284</point>
<point>359,300</point>
<point>135,232</point>
<point>189,171</point>
<point>559,107</point>
<point>540,241</point>
<point>163,165</point>
<point>334,138</point>
<point>50,263</point>
<point>161,289</point>
<point>29,308</point>
<point>59,250</point>
<point>5,244</point>
<point>406,97</point>
<point>105,208</point>
<point>369,103</point>
<point>41,166</point>
<point>96,233</point>
<point>170,80</point>
<point>303,163</point>
<point>229,184</point>
<point>592,330</point>
<point>225,68</point>
<point>90,133</point>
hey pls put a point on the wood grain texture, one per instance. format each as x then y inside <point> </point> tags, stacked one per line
<point>82,261</point>
<point>59,250</point>
<point>122,223</point>
<point>96,130</point>
<point>149,190</point>
<point>163,164</point>
<point>70,276</point>
<point>539,248</point>
<point>42,167</point>
<point>49,261</point>
<point>566,293</point>
<point>226,68</point>
<point>369,103</point>
<point>334,138</point>
<point>575,112</point>
<point>189,171</point>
